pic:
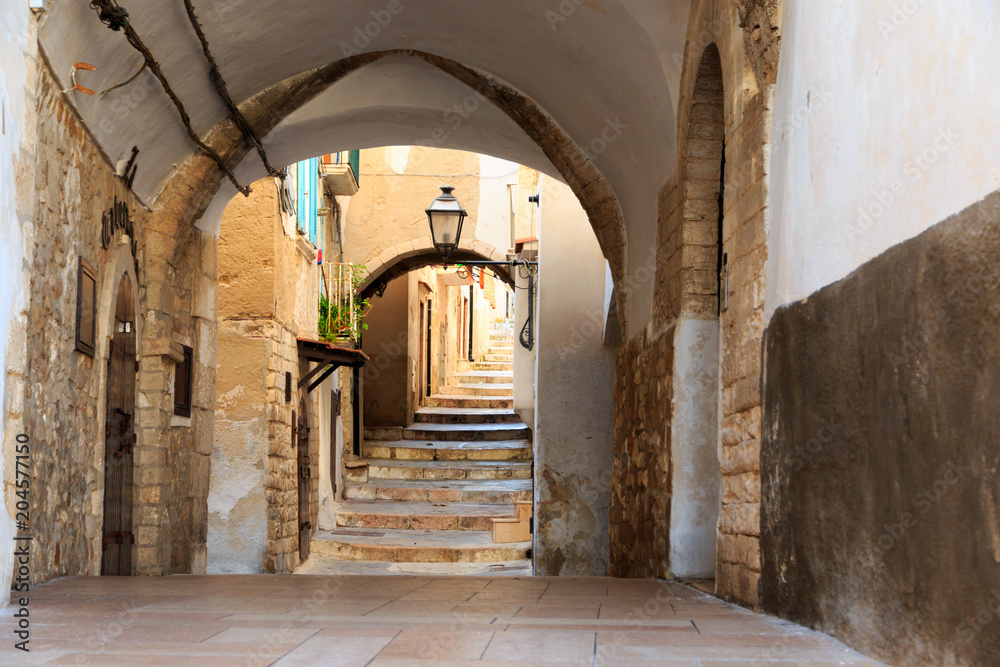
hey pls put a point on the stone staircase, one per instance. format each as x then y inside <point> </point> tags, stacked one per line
<point>455,487</point>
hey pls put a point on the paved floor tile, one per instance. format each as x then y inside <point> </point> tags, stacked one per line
<point>425,621</point>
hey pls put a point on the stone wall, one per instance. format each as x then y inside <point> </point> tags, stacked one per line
<point>686,270</point>
<point>268,296</point>
<point>640,491</point>
<point>880,514</point>
<point>64,398</point>
<point>173,455</point>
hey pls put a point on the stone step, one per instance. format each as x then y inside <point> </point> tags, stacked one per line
<point>422,450</point>
<point>480,389</point>
<point>452,401</point>
<point>416,546</point>
<point>493,366</point>
<point>483,377</point>
<point>467,432</point>
<point>500,359</point>
<point>420,515</point>
<point>379,469</point>
<point>464,415</point>
<point>500,349</point>
<point>491,492</point>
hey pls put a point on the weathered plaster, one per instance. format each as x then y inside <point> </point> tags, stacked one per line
<point>268,297</point>
<point>879,455</point>
<point>877,149</point>
<point>695,447</point>
<point>573,429</point>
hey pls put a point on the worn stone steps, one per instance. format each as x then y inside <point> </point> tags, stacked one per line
<point>420,515</point>
<point>475,402</point>
<point>445,470</point>
<point>507,360</point>
<point>442,450</point>
<point>467,432</point>
<point>441,491</point>
<point>421,546</point>
<point>493,366</point>
<point>480,389</point>
<point>483,377</point>
<point>448,489</point>
<point>466,415</point>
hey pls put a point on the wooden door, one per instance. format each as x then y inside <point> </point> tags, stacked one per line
<point>120,438</point>
<point>302,444</point>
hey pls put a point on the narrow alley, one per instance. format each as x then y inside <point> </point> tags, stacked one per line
<point>451,494</point>
<point>504,332</point>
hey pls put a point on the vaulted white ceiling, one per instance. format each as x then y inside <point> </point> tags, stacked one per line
<point>588,64</point>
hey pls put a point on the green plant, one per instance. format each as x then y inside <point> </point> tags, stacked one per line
<point>342,317</point>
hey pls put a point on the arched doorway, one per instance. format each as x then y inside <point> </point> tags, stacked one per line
<point>120,437</point>
<point>696,426</point>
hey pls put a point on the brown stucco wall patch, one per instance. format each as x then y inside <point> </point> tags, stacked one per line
<point>879,456</point>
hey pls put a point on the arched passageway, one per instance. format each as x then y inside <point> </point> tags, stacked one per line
<point>828,222</point>
<point>431,337</point>
<point>402,260</point>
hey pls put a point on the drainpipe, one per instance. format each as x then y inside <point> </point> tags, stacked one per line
<point>472,319</point>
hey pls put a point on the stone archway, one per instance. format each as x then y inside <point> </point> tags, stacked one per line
<point>191,190</point>
<point>410,255</point>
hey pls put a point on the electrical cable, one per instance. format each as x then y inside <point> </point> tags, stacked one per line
<point>117,19</point>
<point>220,86</point>
<point>123,83</point>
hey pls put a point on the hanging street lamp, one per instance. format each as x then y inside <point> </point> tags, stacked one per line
<point>446,216</point>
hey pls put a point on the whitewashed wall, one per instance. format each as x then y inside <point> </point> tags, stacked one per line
<point>18,46</point>
<point>885,124</point>
<point>575,387</point>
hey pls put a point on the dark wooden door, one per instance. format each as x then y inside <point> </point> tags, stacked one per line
<point>302,444</point>
<point>120,438</point>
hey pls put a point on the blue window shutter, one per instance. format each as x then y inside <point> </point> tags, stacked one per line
<point>301,208</point>
<point>313,199</point>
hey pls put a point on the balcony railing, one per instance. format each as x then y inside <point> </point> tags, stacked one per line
<point>342,172</point>
<point>341,311</point>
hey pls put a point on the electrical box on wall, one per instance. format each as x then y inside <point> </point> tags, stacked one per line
<point>37,6</point>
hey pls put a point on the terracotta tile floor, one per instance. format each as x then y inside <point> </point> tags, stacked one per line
<point>401,620</point>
